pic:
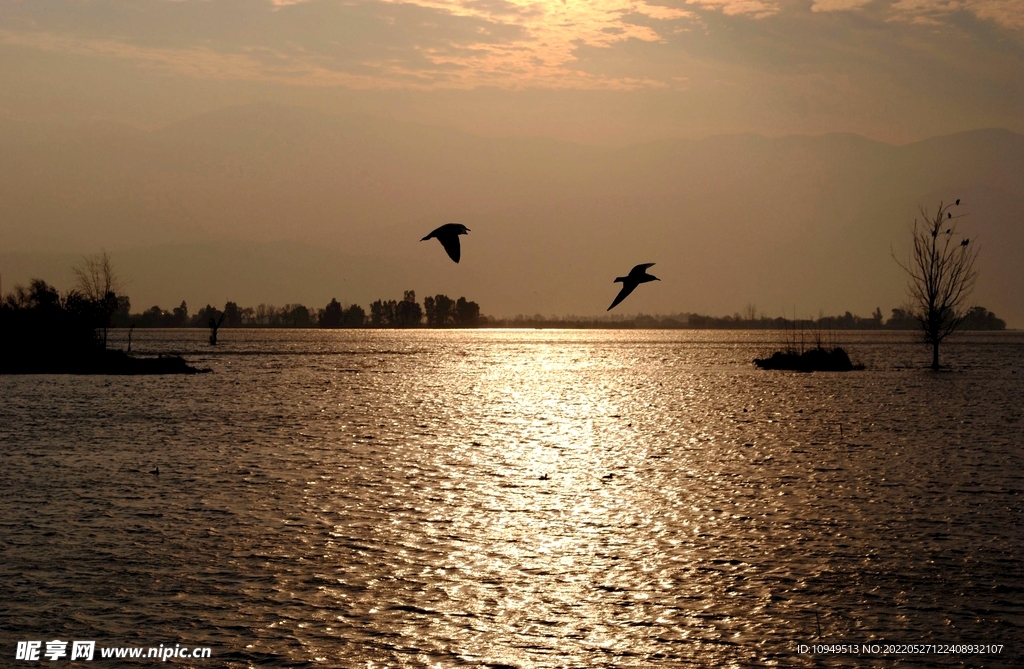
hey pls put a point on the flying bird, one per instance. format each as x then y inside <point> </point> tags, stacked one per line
<point>448,235</point>
<point>636,276</point>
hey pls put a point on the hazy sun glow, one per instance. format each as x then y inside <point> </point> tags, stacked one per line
<point>551,33</point>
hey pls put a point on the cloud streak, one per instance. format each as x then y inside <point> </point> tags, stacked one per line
<point>1006,13</point>
<point>458,44</point>
<point>404,43</point>
<point>255,64</point>
<point>551,34</point>
<point>839,5</point>
<point>755,8</point>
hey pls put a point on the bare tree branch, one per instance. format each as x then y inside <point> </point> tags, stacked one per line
<point>942,275</point>
<point>98,283</point>
<point>96,277</point>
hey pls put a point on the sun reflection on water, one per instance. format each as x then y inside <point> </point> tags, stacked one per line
<point>551,526</point>
<point>532,499</point>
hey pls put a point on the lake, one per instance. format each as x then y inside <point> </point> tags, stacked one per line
<point>520,498</point>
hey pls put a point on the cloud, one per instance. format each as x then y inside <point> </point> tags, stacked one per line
<point>256,64</point>
<point>755,8</point>
<point>383,43</point>
<point>471,44</point>
<point>839,5</point>
<point>552,32</point>
<point>1006,13</point>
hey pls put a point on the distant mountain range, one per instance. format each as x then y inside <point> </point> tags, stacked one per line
<point>264,203</point>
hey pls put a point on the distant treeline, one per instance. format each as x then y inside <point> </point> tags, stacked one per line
<point>439,311</point>
<point>979,318</point>
<point>86,315</point>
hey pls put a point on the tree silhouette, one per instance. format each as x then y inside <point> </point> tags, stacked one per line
<point>942,276</point>
<point>180,315</point>
<point>440,311</point>
<point>354,316</point>
<point>430,310</point>
<point>204,315</point>
<point>98,284</point>
<point>40,331</point>
<point>332,315</point>
<point>382,314</point>
<point>335,316</point>
<point>467,314</point>
<point>214,325</point>
<point>232,315</point>
<point>408,313</point>
<point>124,308</point>
<point>980,318</point>
<point>391,314</point>
<point>296,316</point>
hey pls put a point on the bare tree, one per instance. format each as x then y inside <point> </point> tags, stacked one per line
<point>99,284</point>
<point>96,277</point>
<point>942,275</point>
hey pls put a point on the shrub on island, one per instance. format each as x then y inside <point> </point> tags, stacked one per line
<point>817,359</point>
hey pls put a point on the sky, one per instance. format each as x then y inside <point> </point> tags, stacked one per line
<point>354,127</point>
<point>607,72</point>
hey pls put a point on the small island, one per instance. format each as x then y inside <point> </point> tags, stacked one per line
<point>818,359</point>
<point>114,363</point>
<point>42,332</point>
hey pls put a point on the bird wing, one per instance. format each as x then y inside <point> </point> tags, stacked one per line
<point>640,270</point>
<point>435,232</point>
<point>627,288</point>
<point>451,244</point>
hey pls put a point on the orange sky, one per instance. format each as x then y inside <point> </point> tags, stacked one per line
<point>356,126</point>
<point>601,71</point>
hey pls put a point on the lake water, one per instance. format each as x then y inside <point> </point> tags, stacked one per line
<point>519,499</point>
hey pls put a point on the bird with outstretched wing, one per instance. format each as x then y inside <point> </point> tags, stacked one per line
<point>448,235</point>
<point>636,276</point>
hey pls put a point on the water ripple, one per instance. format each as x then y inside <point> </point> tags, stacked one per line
<point>520,499</point>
